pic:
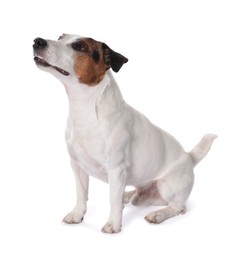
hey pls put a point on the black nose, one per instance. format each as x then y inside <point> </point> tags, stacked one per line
<point>39,43</point>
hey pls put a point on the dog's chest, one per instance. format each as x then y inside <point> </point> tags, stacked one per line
<point>86,145</point>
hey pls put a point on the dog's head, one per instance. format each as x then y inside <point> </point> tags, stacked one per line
<point>76,57</point>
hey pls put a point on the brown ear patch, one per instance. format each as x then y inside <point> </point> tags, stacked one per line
<point>89,65</point>
<point>93,59</point>
<point>88,70</point>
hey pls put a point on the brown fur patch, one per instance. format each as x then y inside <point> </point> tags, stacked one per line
<point>88,70</point>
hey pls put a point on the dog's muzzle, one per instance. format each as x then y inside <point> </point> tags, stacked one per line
<point>40,44</point>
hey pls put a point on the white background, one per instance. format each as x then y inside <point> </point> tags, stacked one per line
<point>186,73</point>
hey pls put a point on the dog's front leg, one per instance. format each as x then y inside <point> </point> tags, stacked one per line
<point>117,182</point>
<point>81,179</point>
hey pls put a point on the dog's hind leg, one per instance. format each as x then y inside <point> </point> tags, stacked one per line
<point>159,216</point>
<point>174,188</point>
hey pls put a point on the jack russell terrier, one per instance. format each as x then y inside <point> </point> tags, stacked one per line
<point>110,140</point>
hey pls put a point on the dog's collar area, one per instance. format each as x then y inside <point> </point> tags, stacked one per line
<point>44,63</point>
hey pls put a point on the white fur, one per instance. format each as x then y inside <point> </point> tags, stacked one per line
<point>113,142</point>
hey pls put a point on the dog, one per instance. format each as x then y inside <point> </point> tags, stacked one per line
<point>110,140</point>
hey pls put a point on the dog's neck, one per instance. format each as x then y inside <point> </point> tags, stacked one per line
<point>100,100</point>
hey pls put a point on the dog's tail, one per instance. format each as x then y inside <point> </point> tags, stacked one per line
<point>201,149</point>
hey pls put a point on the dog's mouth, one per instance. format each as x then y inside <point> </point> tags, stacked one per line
<point>44,63</point>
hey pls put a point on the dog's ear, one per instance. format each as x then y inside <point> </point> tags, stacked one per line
<point>113,59</point>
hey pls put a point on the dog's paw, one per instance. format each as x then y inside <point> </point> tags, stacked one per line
<point>137,200</point>
<point>128,195</point>
<point>73,218</point>
<point>155,217</point>
<point>110,229</point>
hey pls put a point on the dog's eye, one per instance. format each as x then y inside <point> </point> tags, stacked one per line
<point>78,46</point>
